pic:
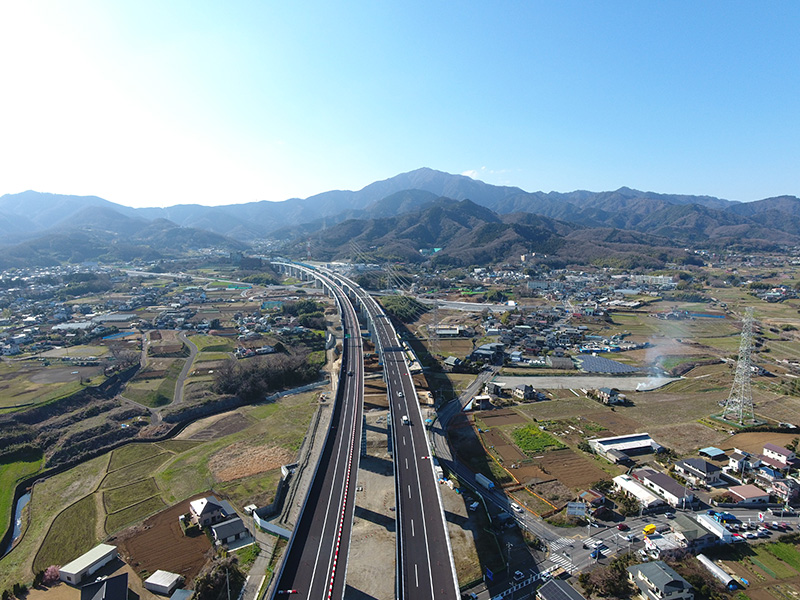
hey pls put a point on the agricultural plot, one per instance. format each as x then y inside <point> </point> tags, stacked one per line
<point>132,453</point>
<point>155,385</point>
<point>531,440</point>
<point>135,471</point>
<point>133,513</point>
<point>212,343</point>
<point>50,497</point>
<point>71,534</point>
<point>571,469</point>
<point>116,499</point>
<point>31,383</point>
<point>160,544</point>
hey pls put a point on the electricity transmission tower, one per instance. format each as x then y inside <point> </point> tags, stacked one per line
<point>739,406</point>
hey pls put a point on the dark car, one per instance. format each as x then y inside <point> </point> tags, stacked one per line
<point>623,527</point>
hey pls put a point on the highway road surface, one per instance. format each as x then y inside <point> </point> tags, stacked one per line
<point>425,567</point>
<point>315,564</point>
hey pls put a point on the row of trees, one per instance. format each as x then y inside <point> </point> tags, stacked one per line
<point>255,378</point>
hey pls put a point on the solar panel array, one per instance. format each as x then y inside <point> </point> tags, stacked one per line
<point>597,364</point>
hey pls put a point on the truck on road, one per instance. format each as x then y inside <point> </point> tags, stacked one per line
<point>484,481</point>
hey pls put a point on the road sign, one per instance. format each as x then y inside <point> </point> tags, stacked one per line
<point>576,509</point>
<point>489,574</point>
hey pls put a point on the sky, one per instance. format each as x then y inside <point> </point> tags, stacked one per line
<point>156,103</point>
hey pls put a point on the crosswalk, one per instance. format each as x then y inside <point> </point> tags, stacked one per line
<point>560,543</point>
<point>563,562</point>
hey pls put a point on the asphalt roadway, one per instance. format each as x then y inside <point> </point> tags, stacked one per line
<point>425,569</point>
<point>315,563</point>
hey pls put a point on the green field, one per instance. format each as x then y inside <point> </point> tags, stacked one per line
<point>145,478</point>
<point>10,474</point>
<point>122,497</point>
<point>212,343</point>
<point>157,391</point>
<point>50,497</point>
<point>531,440</point>
<point>135,471</point>
<point>134,514</point>
<point>131,453</point>
<point>72,534</point>
<point>788,553</point>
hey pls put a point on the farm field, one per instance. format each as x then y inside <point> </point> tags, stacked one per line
<point>155,384</point>
<point>33,382</point>
<point>49,498</point>
<point>240,457</point>
<point>159,543</point>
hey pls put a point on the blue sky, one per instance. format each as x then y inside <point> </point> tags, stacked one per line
<point>156,103</point>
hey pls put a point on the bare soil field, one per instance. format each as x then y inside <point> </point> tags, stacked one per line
<point>244,459</point>
<point>65,374</point>
<point>159,543</point>
<point>573,470</point>
<point>529,474</point>
<point>497,442</point>
<point>754,441</point>
<point>232,423</point>
<point>616,423</point>
<point>554,492</point>
<point>497,418</point>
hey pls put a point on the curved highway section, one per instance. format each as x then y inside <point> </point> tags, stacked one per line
<point>315,562</point>
<point>425,568</point>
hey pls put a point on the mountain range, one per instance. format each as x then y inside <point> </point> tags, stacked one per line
<point>384,213</point>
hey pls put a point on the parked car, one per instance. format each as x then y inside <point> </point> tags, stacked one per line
<point>623,527</point>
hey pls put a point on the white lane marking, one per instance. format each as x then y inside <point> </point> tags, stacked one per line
<point>404,441</point>
<point>406,463</point>
<point>412,527</point>
<point>416,575</point>
<point>409,491</point>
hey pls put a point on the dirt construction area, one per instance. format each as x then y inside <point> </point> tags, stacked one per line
<point>159,543</point>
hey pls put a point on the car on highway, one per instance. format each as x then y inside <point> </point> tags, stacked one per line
<point>351,373</point>
<point>400,393</point>
<point>405,420</point>
<point>516,507</point>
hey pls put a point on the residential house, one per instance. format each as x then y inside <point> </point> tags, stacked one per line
<point>665,486</point>
<point>699,471</point>
<point>741,461</point>
<point>524,392</point>
<point>609,396</point>
<point>555,589</point>
<point>779,453</point>
<point>787,490</point>
<point>694,536</point>
<point>748,494</point>
<point>658,581</point>
<point>110,588</point>
<point>208,511</point>
<point>229,531</point>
